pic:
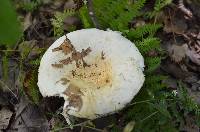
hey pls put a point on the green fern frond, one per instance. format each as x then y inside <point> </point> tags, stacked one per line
<point>84,15</point>
<point>148,44</point>
<point>152,63</point>
<point>35,62</point>
<point>131,11</point>
<point>159,4</point>
<point>187,102</point>
<point>141,31</point>
<point>117,14</point>
<point>30,86</point>
<point>58,19</point>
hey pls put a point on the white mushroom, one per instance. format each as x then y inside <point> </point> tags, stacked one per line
<point>97,72</point>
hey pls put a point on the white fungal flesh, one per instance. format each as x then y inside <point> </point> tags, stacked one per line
<point>111,81</point>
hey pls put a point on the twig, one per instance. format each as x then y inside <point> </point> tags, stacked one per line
<point>182,7</point>
<point>5,86</point>
<point>82,124</point>
<point>98,130</point>
<point>10,50</point>
<point>145,101</point>
<point>63,128</point>
<point>91,13</point>
<point>152,114</point>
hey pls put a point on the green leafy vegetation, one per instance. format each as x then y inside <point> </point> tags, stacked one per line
<point>10,30</point>
<point>159,4</point>
<point>84,16</point>
<point>58,19</point>
<point>30,6</point>
<point>29,78</point>
<point>155,108</point>
<point>30,86</point>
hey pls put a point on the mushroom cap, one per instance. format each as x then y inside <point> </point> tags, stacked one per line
<point>104,73</point>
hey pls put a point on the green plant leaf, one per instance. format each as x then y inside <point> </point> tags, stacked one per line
<point>10,30</point>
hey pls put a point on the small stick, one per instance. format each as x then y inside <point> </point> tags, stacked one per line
<point>182,7</point>
<point>91,13</point>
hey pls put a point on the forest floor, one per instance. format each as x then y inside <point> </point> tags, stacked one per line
<point>180,38</point>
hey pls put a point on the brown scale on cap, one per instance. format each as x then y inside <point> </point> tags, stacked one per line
<point>102,55</point>
<point>64,81</point>
<point>66,61</point>
<point>66,47</point>
<point>74,94</point>
<point>76,56</point>
<point>57,65</point>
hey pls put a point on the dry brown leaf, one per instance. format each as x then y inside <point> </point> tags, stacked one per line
<point>174,22</point>
<point>178,53</point>
<point>27,21</point>
<point>5,115</point>
<point>29,118</point>
<point>172,27</point>
<point>189,125</point>
<point>194,56</point>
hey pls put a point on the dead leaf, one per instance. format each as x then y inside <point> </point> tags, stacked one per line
<point>29,49</point>
<point>194,54</point>
<point>69,4</point>
<point>139,23</point>
<point>178,53</point>
<point>174,22</point>
<point>27,21</point>
<point>71,23</point>
<point>173,69</point>
<point>129,127</point>
<point>5,115</point>
<point>189,125</point>
<point>29,118</point>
